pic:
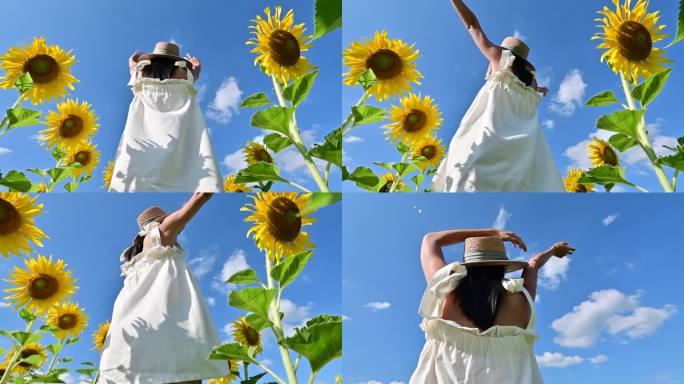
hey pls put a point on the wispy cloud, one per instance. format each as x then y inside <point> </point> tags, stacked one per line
<point>549,124</point>
<point>352,139</point>
<point>204,262</point>
<point>294,316</point>
<point>211,301</point>
<point>501,219</point>
<point>570,94</point>
<point>5,151</point>
<point>226,102</point>
<point>378,305</point>
<point>608,220</point>
<point>236,262</point>
<point>598,359</point>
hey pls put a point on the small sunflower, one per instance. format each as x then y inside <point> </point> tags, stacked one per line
<point>17,229</point>
<point>628,36</point>
<point>277,223</point>
<point>256,153</point>
<point>72,124</point>
<point>413,120</point>
<point>41,187</point>
<point>229,185</point>
<point>392,62</point>
<point>3,369</point>
<point>387,179</point>
<point>246,335</point>
<point>68,318</point>
<point>28,350</point>
<point>100,335</point>
<point>49,67</point>
<point>279,45</point>
<point>42,285</point>
<point>233,368</point>
<point>572,183</point>
<point>107,174</point>
<point>431,149</point>
<point>601,153</point>
<point>84,153</point>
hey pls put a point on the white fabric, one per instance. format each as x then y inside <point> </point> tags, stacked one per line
<point>161,330</point>
<point>165,146</point>
<point>500,146</point>
<point>454,354</point>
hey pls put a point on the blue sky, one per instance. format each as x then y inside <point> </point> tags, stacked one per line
<point>559,34</point>
<point>104,34</point>
<point>90,232</point>
<point>612,313</point>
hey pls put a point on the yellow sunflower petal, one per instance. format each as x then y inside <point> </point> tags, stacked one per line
<point>256,153</point>
<point>28,350</point>
<point>100,335</point>
<point>246,335</point>
<point>432,149</point>
<point>602,153</point>
<point>414,119</point>
<point>572,183</point>
<point>70,125</point>
<point>17,228</point>
<point>68,319</point>
<point>84,153</point>
<point>229,185</point>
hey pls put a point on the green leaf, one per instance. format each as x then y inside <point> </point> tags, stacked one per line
<point>403,147</point>
<point>320,200</point>
<point>58,153</point>
<point>25,337</point>
<point>622,142</point>
<point>253,299</point>
<point>256,100</point>
<point>258,322</point>
<point>247,276</point>
<point>328,17</point>
<point>22,117</point>
<point>622,122</point>
<point>258,172</point>
<point>253,379</point>
<point>676,160</point>
<point>66,359</point>
<point>320,341</point>
<point>37,171</point>
<point>418,179</point>
<point>24,83</point>
<point>368,114</point>
<point>286,271</point>
<point>231,351</point>
<point>404,168</point>
<point>300,88</point>
<point>87,371</point>
<point>27,315</point>
<point>647,91</point>
<point>15,181</point>
<point>59,174</point>
<point>368,79</point>
<point>331,149</point>
<point>605,174</point>
<point>603,99</point>
<point>33,360</point>
<point>274,119</point>
<point>387,166</point>
<point>71,186</point>
<point>55,348</point>
<point>680,25</point>
<point>277,142</point>
<point>363,177</point>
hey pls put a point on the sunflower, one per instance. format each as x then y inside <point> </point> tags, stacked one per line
<point>572,183</point>
<point>42,285</point>
<point>84,153</point>
<point>415,119</point>
<point>107,174</point>
<point>277,223</point>
<point>387,179</point>
<point>72,124</point>
<point>256,153</point>
<point>49,67</point>
<point>601,153</point>
<point>229,185</point>
<point>41,187</point>
<point>28,350</point>
<point>431,149</point>
<point>68,318</point>
<point>628,37</point>
<point>279,45</point>
<point>17,212</point>
<point>246,335</point>
<point>392,62</point>
<point>233,368</point>
<point>100,336</point>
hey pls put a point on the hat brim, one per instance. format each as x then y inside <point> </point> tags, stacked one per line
<point>511,265</point>
<point>150,56</point>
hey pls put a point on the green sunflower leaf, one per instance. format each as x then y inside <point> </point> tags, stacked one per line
<point>261,171</point>
<point>680,25</point>
<point>59,174</point>
<point>363,177</point>
<point>622,142</point>
<point>418,179</point>
<point>603,99</point>
<point>55,348</point>
<point>277,142</point>
<point>258,322</point>
<point>253,379</point>
<point>25,337</point>
<point>231,351</point>
<point>22,117</point>
<point>320,200</point>
<point>320,341</point>
<point>605,174</point>
<point>253,299</point>
<point>256,100</point>
<point>15,181</point>
<point>368,79</point>
<point>331,149</point>
<point>676,160</point>
<point>625,122</point>
<point>647,91</point>
<point>274,119</point>
<point>387,166</point>
<point>24,83</point>
<point>300,88</point>
<point>87,371</point>
<point>33,360</point>
<point>27,315</point>
<point>328,17</point>
<point>246,276</point>
<point>287,270</point>
<point>367,114</point>
<point>404,168</point>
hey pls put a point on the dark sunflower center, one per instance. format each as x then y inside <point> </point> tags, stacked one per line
<point>415,121</point>
<point>385,63</point>
<point>82,157</point>
<point>10,220</point>
<point>263,155</point>
<point>387,187</point>
<point>43,286</point>
<point>581,188</point>
<point>252,336</point>
<point>610,157</point>
<point>284,222</point>
<point>27,353</point>
<point>67,321</point>
<point>284,47</point>
<point>429,152</point>
<point>634,40</point>
<point>71,126</point>
<point>42,68</point>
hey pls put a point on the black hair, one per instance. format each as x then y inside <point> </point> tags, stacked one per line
<point>479,294</point>
<point>522,69</point>
<point>161,68</point>
<point>135,248</point>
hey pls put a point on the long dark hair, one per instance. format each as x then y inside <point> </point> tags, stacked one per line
<point>161,68</point>
<point>135,248</point>
<point>479,294</point>
<point>522,69</point>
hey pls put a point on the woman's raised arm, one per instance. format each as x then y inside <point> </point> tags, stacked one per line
<point>490,50</point>
<point>175,222</point>
<point>531,273</point>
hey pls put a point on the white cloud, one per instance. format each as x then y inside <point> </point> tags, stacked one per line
<point>4,304</point>
<point>557,360</point>
<point>598,359</point>
<point>352,139</point>
<point>204,262</point>
<point>608,311</point>
<point>293,316</point>
<point>608,220</point>
<point>579,153</point>
<point>236,262</point>
<point>549,124</point>
<point>501,218</point>
<point>5,151</point>
<point>211,301</point>
<point>378,305</point>
<point>554,272</point>
<point>570,94</point>
<point>518,35</point>
<point>226,102</point>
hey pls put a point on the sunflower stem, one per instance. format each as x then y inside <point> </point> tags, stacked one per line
<point>350,117</point>
<point>15,357</point>
<point>644,140</point>
<point>396,181</point>
<point>246,369</point>
<point>54,357</point>
<point>327,172</point>
<point>674,180</point>
<point>312,377</point>
<point>5,119</point>
<point>297,140</point>
<point>296,363</point>
<point>278,327</point>
<point>265,368</point>
<point>97,377</point>
<point>297,186</point>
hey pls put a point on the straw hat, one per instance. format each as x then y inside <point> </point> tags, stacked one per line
<point>165,49</point>
<point>489,251</point>
<point>517,46</point>
<point>149,215</point>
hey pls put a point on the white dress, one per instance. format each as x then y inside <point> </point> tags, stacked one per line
<point>500,146</point>
<point>454,354</point>
<point>161,330</point>
<point>165,146</point>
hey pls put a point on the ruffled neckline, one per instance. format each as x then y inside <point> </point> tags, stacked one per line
<point>151,254</point>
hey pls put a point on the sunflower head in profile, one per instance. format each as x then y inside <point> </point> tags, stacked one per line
<point>68,319</point>
<point>414,119</point>
<point>70,125</point>
<point>392,63</point>
<point>431,149</point>
<point>572,183</point>
<point>256,153</point>
<point>100,335</point>
<point>86,154</point>
<point>229,185</point>
<point>246,335</point>
<point>387,180</point>
<point>17,228</point>
<point>3,368</point>
<point>107,174</point>
<point>279,44</point>
<point>233,373</point>
<point>48,65</point>
<point>41,285</point>
<point>628,35</point>
<point>28,350</point>
<point>278,223</point>
<point>602,153</point>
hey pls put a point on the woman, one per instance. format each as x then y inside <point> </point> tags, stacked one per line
<point>479,326</point>
<point>500,146</point>
<point>161,330</point>
<point>165,145</point>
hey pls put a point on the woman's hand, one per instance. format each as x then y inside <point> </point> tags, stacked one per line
<point>133,60</point>
<point>195,61</point>
<point>513,238</point>
<point>561,250</point>
<point>543,90</point>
